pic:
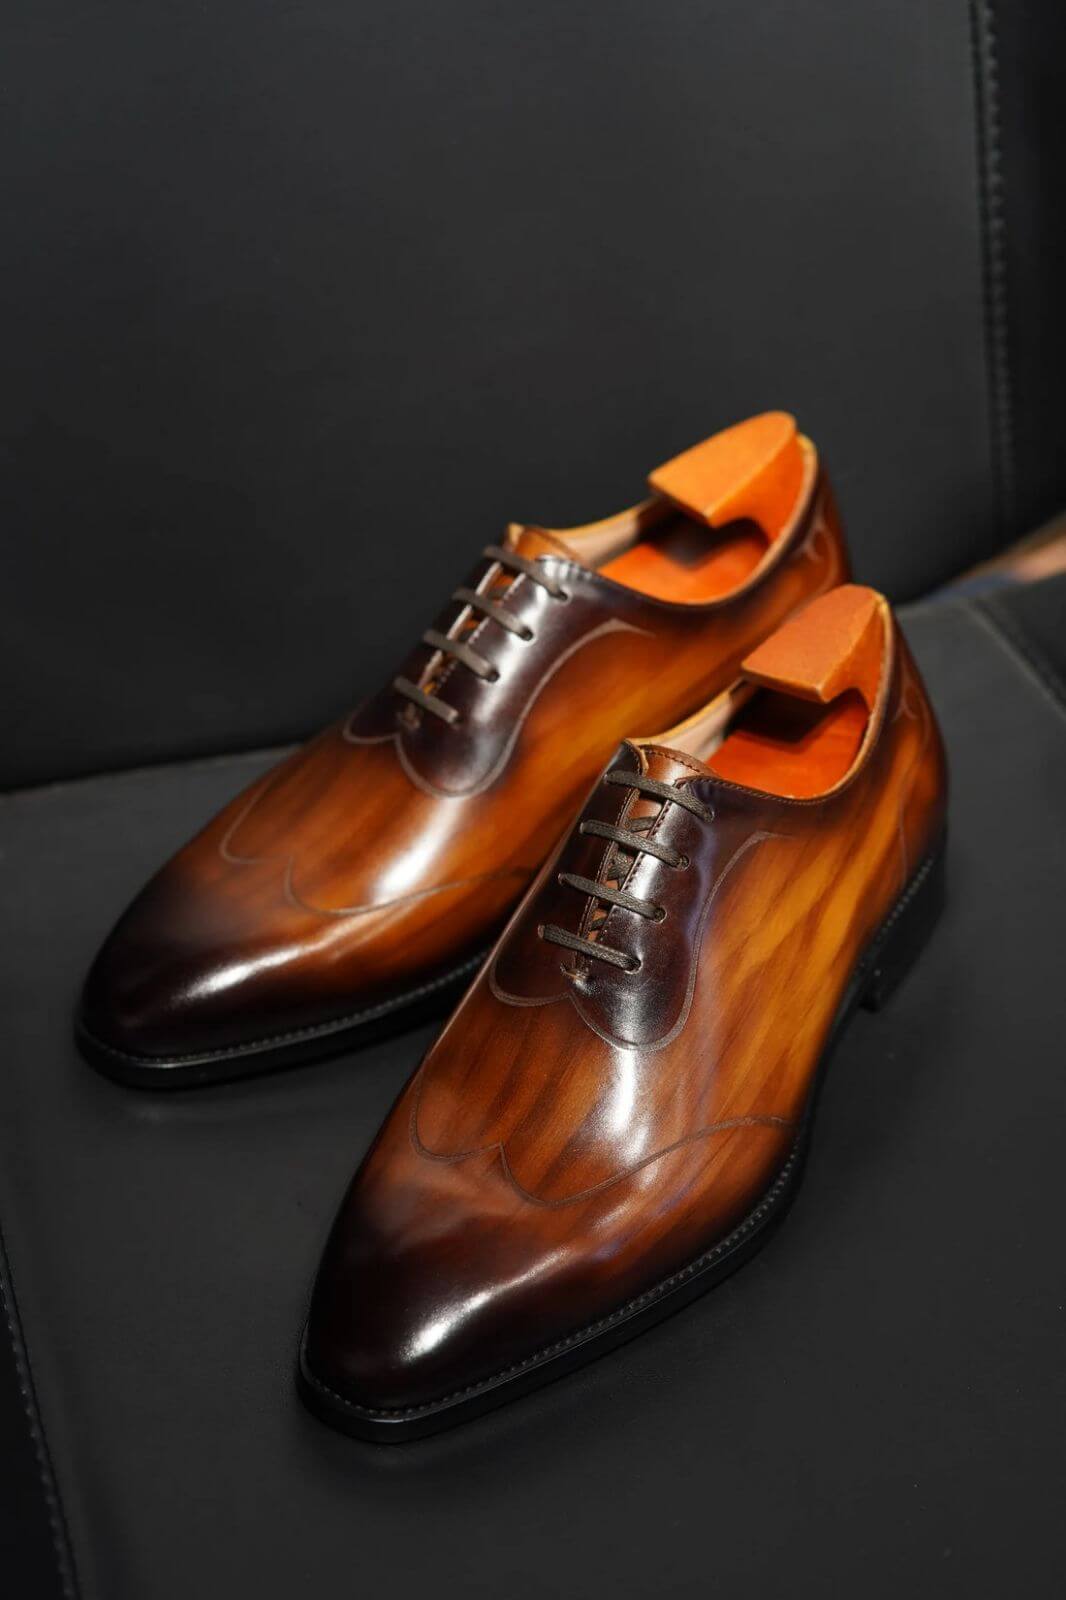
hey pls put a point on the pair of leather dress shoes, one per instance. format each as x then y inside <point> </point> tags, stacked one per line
<point>616,1112</point>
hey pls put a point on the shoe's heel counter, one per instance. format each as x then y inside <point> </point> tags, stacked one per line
<point>925,780</point>
<point>836,539</point>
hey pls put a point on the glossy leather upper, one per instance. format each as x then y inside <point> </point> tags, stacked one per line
<point>579,1131</point>
<point>390,848</point>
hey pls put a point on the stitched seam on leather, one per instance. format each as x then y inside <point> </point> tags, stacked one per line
<point>985,52</point>
<point>571,995</point>
<point>318,1030</point>
<point>663,1040</point>
<point>488,579</point>
<point>863,970</point>
<point>607,860</point>
<point>1022,653</point>
<point>288,862</point>
<point>647,1297</point>
<point>870,958</point>
<point>833,796</point>
<point>697,768</point>
<point>296,899</point>
<point>779,553</point>
<point>729,1125</point>
<point>499,1147</point>
<point>906,683</point>
<point>28,1391</point>
<point>601,630</point>
<point>653,831</point>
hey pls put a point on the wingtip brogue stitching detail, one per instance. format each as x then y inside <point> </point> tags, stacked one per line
<point>498,1148</point>
<point>628,846</point>
<point>657,1291</point>
<point>571,993</point>
<point>486,779</point>
<point>522,874</point>
<point>287,865</point>
<point>451,646</point>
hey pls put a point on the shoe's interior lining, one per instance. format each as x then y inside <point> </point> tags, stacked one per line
<point>685,560</point>
<point>716,519</point>
<point>795,724</point>
<point>792,747</point>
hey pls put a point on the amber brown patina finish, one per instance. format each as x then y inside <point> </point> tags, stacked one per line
<point>582,1130</point>
<point>386,853</point>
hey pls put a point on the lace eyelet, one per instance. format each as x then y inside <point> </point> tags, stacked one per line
<point>493,676</point>
<point>634,966</point>
<point>682,865</point>
<point>526,636</point>
<point>564,596</point>
<point>660,914</point>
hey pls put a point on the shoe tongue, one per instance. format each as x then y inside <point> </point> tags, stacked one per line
<point>533,542</point>
<point>670,766</point>
<point>665,766</point>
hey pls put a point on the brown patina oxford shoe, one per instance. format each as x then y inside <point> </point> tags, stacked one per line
<point>616,1113</point>
<point>373,868</point>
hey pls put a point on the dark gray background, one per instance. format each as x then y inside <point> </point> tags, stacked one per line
<point>304,300</point>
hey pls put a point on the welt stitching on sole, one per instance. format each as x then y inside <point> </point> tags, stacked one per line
<point>901,905</point>
<point>322,1030</point>
<point>648,1296</point>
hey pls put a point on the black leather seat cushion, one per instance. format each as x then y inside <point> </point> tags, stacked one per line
<point>873,1407</point>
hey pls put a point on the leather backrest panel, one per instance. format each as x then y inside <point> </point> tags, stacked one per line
<point>309,300</point>
<point>1022,51</point>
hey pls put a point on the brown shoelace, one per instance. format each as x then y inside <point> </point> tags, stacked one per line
<point>479,603</point>
<point>633,840</point>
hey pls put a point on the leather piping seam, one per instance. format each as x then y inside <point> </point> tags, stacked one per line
<point>293,1035</point>
<point>57,1525</point>
<point>985,53</point>
<point>1022,653</point>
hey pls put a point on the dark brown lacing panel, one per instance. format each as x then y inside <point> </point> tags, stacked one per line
<point>480,603</point>
<point>634,840</point>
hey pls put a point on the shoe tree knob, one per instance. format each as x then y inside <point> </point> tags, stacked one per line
<point>753,471</point>
<point>835,643</point>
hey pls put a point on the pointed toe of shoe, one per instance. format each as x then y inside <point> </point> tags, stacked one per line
<point>187,986</point>
<point>384,1344</point>
<point>413,1320</point>
<point>151,1001</point>
<point>127,1013</point>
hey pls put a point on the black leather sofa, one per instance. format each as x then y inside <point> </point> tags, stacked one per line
<point>308,301</point>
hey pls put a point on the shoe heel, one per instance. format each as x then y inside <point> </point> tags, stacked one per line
<point>903,935</point>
